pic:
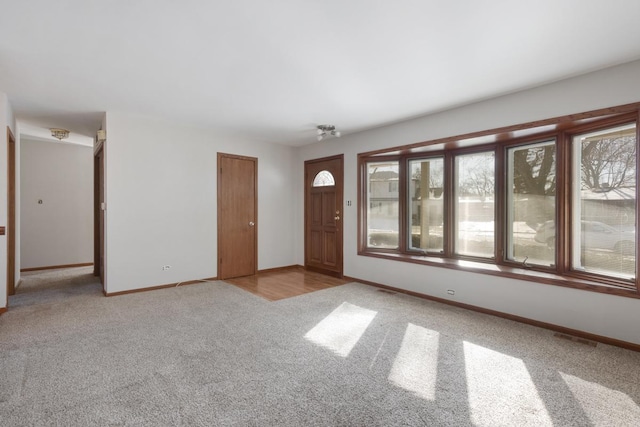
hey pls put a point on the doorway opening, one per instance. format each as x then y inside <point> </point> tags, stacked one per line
<point>43,287</point>
<point>56,213</point>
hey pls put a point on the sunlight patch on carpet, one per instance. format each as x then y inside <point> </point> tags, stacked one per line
<point>415,368</point>
<point>341,330</point>
<point>500,388</point>
<point>598,401</point>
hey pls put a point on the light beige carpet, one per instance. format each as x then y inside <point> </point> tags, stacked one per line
<point>212,354</point>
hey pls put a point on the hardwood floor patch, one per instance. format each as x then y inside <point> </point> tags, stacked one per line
<point>281,284</point>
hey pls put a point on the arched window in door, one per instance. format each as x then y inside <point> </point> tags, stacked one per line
<point>324,179</point>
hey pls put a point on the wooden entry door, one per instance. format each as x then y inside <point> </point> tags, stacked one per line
<point>237,216</point>
<point>323,215</point>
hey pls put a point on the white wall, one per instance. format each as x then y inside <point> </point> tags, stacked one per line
<point>60,230</point>
<point>611,316</point>
<point>161,201</point>
<point>6,120</point>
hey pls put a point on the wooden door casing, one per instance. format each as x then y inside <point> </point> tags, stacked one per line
<point>323,217</point>
<point>98,214</point>
<point>237,216</point>
<point>11,214</point>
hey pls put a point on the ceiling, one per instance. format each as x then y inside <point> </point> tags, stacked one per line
<point>274,70</point>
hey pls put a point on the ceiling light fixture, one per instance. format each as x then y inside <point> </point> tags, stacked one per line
<point>323,130</point>
<point>59,133</point>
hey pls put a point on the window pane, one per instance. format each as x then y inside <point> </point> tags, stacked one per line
<point>474,204</point>
<point>382,201</point>
<point>604,202</point>
<point>324,179</point>
<point>531,203</point>
<point>426,208</point>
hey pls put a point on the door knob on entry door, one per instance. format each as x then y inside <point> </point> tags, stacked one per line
<point>251,223</point>
<point>336,218</point>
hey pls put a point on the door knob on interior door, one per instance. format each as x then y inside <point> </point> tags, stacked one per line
<point>251,223</point>
<point>336,218</point>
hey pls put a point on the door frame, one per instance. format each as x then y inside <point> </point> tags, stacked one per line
<point>98,213</point>
<point>220,156</point>
<point>340,190</point>
<point>11,214</point>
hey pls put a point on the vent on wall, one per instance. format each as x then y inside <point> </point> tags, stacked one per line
<point>575,339</point>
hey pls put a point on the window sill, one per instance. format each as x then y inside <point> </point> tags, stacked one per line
<point>508,272</point>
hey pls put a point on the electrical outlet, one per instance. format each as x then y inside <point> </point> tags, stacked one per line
<point>451,292</point>
<point>166,267</point>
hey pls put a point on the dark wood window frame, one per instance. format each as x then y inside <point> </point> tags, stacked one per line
<point>561,129</point>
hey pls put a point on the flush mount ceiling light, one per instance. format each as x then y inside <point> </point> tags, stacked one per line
<point>59,133</point>
<point>323,130</point>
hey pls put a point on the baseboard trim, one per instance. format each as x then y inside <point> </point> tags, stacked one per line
<point>277,269</point>
<point>54,267</point>
<point>3,310</point>
<point>154,288</point>
<point>581,334</point>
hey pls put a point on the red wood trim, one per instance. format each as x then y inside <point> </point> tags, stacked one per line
<point>285,268</point>
<point>11,213</point>
<point>637,224</point>
<point>154,288</point>
<point>2,230</point>
<point>3,310</point>
<point>487,266</point>
<point>621,109</point>
<point>97,208</point>
<point>586,335</point>
<point>54,267</point>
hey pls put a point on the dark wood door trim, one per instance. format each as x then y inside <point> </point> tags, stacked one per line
<point>221,230</point>
<point>11,214</point>
<point>339,188</point>
<point>98,214</point>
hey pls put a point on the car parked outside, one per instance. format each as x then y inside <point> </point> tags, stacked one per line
<point>595,235</point>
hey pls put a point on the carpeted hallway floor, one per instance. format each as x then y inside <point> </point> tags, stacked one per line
<point>213,354</point>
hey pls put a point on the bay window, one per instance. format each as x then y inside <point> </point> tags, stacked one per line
<point>554,202</point>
